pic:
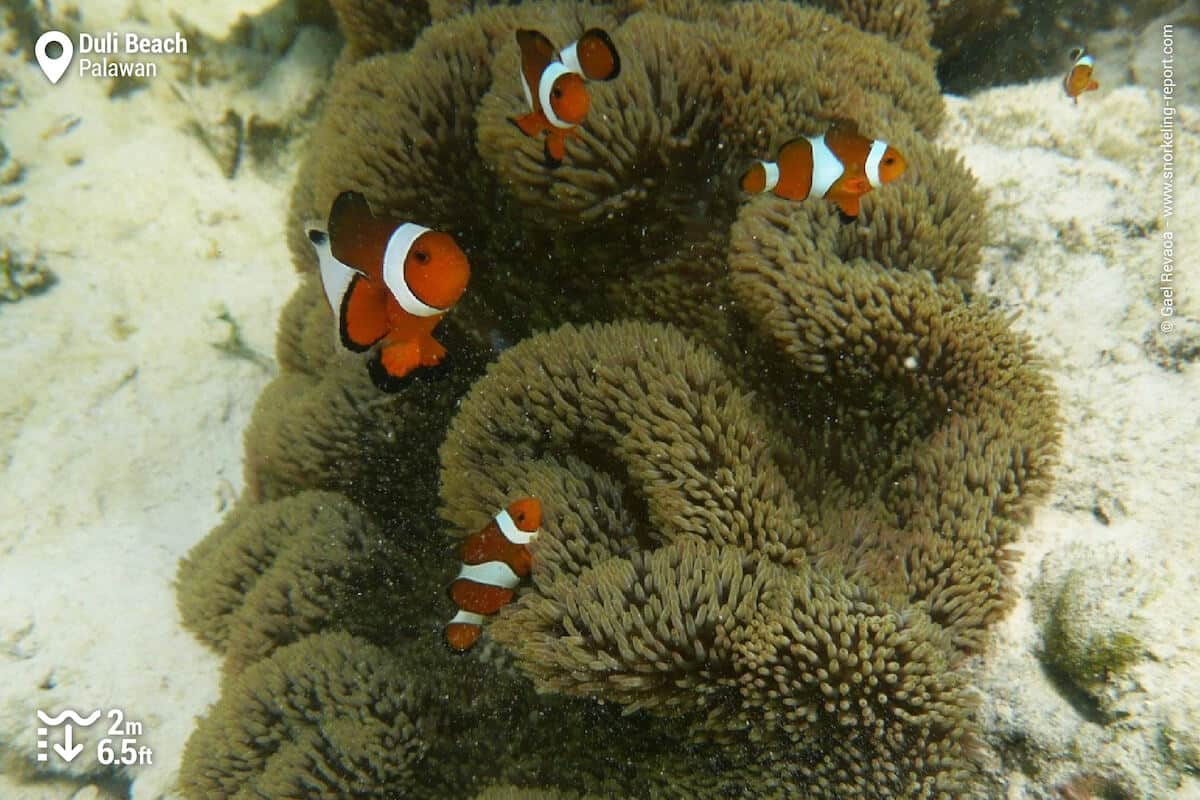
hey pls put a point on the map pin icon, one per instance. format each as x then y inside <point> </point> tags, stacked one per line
<point>54,67</point>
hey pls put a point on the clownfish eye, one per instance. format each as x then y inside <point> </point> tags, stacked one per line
<point>889,160</point>
<point>421,256</point>
<point>520,516</point>
<point>556,92</point>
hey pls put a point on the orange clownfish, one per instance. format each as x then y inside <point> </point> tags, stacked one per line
<point>1079,78</point>
<point>493,562</point>
<point>840,165</point>
<point>389,283</point>
<point>553,84</point>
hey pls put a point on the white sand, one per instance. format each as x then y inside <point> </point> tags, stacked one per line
<point>1069,186</point>
<point>120,423</point>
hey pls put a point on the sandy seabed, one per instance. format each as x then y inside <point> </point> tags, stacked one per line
<point>123,406</point>
<point>124,403</point>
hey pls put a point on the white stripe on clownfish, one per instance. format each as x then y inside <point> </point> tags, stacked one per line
<point>394,257</point>
<point>570,57</point>
<point>826,169</point>
<point>874,158</point>
<point>504,522</point>
<point>489,573</point>
<point>553,71</point>
<point>772,171</point>
<point>466,618</point>
<point>525,89</point>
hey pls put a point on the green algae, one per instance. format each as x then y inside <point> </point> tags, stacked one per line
<point>1086,649</point>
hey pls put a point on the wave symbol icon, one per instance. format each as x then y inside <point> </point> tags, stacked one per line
<point>68,714</point>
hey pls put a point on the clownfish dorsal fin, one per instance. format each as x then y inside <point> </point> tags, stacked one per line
<point>843,128</point>
<point>536,54</point>
<point>536,49</point>
<point>1077,53</point>
<point>356,236</point>
<point>350,211</point>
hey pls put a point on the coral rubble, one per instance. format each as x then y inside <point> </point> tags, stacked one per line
<point>783,459</point>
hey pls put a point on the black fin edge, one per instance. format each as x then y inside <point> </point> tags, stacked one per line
<point>343,329</point>
<point>386,382</point>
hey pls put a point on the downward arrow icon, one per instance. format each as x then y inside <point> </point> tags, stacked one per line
<point>65,749</point>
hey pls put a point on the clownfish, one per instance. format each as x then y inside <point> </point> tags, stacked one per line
<point>493,562</point>
<point>389,283</point>
<point>1079,77</point>
<point>554,88</point>
<point>840,165</point>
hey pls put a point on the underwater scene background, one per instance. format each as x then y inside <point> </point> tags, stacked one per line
<point>892,506</point>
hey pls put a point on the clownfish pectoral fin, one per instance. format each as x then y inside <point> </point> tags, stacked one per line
<point>848,207</point>
<point>531,124</point>
<point>362,316</point>
<point>1092,86</point>
<point>597,56</point>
